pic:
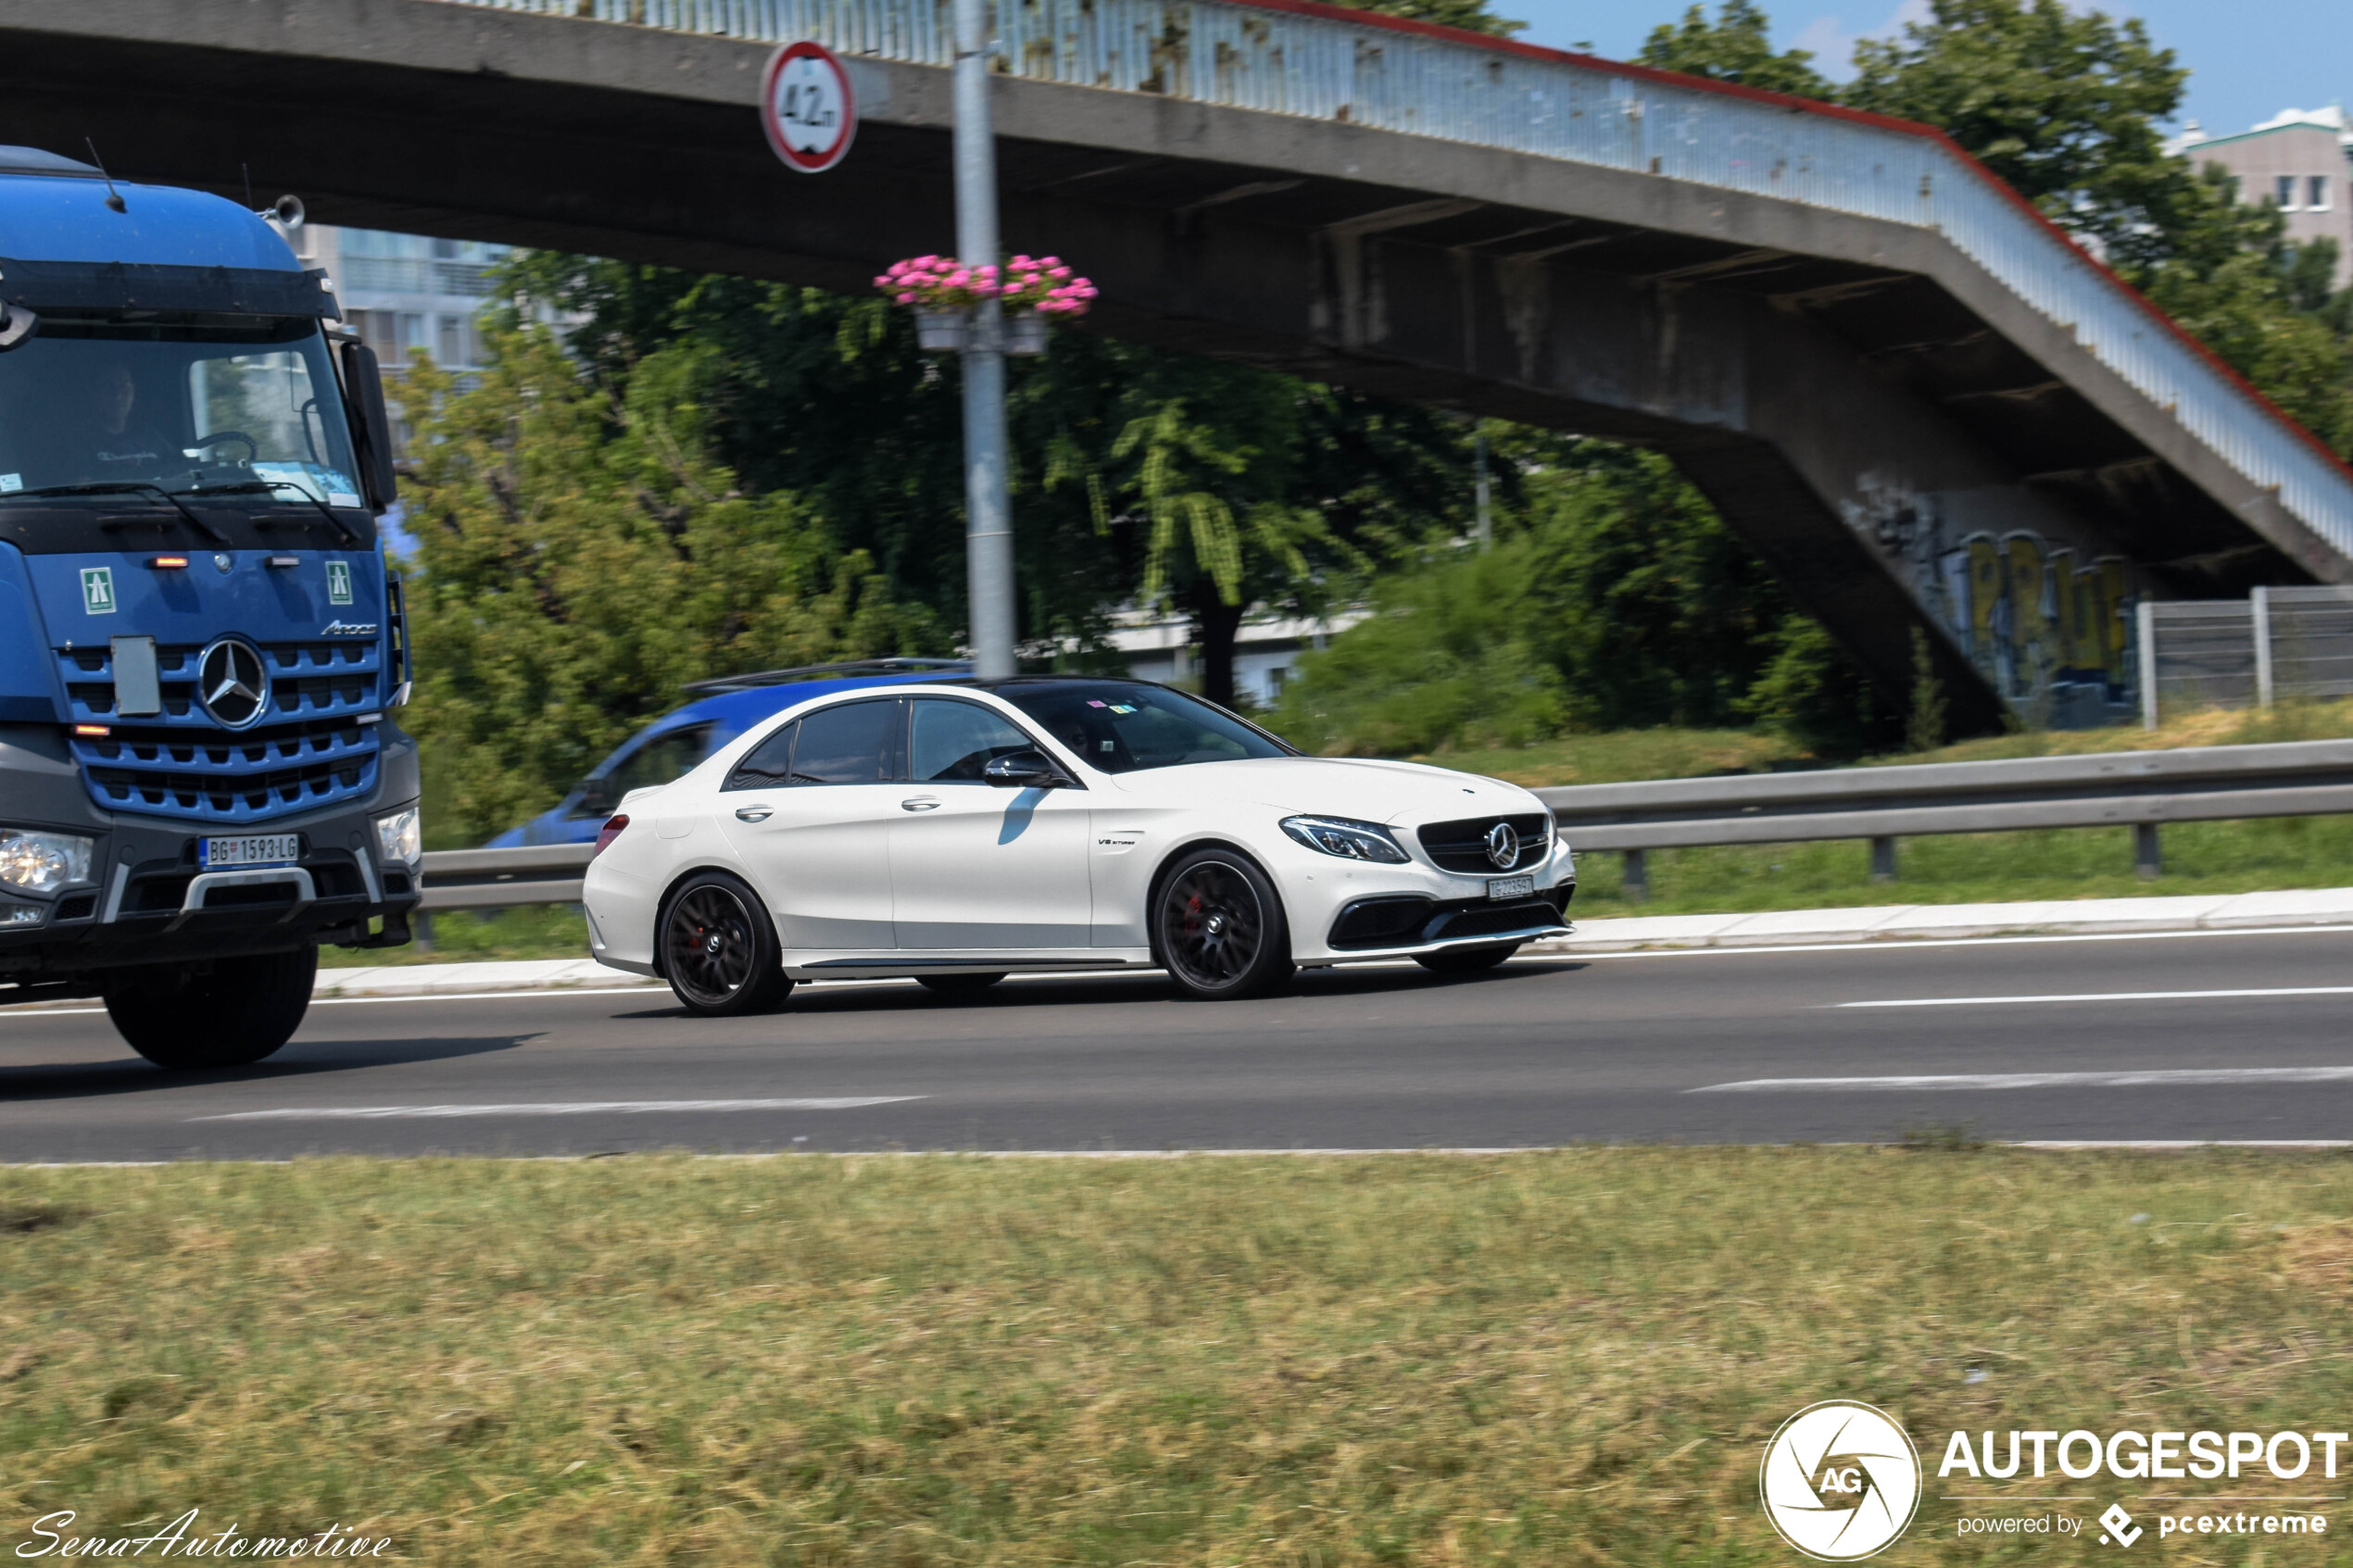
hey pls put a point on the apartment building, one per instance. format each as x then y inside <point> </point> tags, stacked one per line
<point>2301,161</point>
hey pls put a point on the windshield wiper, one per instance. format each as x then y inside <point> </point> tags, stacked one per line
<point>264,486</point>
<point>129,488</point>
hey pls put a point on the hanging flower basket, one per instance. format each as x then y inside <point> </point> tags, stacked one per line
<point>1034,290</point>
<point>940,331</point>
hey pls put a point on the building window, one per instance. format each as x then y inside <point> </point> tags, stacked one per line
<point>2317,193</point>
<point>2285,188</point>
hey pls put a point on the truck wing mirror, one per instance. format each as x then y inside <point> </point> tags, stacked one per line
<point>370,426</point>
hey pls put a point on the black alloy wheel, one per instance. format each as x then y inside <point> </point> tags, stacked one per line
<point>957,985</point>
<point>1467,960</point>
<point>718,951</point>
<point>1218,929</point>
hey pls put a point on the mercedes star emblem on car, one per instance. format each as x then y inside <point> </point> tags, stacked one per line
<point>233,683</point>
<point>1503,846</point>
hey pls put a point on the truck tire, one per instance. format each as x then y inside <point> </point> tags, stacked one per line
<point>231,1012</point>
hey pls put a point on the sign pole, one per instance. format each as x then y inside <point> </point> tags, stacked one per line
<point>988,529</point>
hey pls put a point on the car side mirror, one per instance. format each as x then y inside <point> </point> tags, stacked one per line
<point>1024,770</point>
<point>370,426</point>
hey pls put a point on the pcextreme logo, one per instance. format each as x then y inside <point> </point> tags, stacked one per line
<point>1840,1481</point>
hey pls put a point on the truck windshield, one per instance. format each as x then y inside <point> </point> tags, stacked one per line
<point>176,404</point>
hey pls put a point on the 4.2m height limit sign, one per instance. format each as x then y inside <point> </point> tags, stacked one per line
<point>808,108</point>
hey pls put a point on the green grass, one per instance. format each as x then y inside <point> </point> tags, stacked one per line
<point>541,931</point>
<point>1569,1358</point>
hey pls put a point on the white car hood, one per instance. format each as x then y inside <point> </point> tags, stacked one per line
<point>1389,793</point>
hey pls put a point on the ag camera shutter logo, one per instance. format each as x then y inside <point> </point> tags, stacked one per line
<point>1840,1481</point>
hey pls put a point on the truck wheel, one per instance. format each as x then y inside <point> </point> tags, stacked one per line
<point>231,1012</point>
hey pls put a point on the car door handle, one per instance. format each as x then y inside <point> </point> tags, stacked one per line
<point>920,803</point>
<point>754,813</point>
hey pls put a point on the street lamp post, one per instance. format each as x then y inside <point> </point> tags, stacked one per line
<point>988,528</point>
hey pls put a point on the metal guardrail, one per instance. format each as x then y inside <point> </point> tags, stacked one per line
<point>2142,790</point>
<point>490,879</point>
<point>1312,62</point>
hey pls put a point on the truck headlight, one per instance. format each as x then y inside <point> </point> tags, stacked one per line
<point>41,862</point>
<point>399,839</point>
<point>1349,840</point>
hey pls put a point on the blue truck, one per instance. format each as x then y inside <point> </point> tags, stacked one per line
<point>201,651</point>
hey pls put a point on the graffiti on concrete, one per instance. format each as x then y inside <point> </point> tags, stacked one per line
<point>2049,626</point>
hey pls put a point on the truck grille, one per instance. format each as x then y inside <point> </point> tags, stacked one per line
<point>311,751</point>
<point>213,776</point>
<point>307,680</point>
<point>1461,845</point>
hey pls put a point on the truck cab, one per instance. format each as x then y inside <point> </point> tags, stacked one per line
<point>201,653</point>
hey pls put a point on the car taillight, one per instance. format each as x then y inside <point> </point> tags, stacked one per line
<point>606,834</point>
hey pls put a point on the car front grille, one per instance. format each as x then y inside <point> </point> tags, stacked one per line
<point>1461,845</point>
<point>307,680</point>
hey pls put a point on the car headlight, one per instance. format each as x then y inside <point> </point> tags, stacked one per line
<point>39,862</point>
<point>400,838</point>
<point>1349,841</point>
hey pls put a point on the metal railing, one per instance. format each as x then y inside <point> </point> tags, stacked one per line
<point>2142,790</point>
<point>1401,77</point>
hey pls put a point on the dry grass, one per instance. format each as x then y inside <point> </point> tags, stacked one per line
<point>1571,1357</point>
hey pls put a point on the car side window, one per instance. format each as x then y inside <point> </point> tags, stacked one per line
<point>855,743</point>
<point>951,742</point>
<point>769,764</point>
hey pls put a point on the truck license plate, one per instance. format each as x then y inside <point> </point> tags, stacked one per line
<point>1512,888</point>
<point>256,850</point>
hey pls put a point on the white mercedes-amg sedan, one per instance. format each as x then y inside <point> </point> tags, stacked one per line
<point>959,832</point>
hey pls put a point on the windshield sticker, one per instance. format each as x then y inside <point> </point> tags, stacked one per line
<point>1123,707</point>
<point>10,481</point>
<point>1092,702</point>
<point>342,498</point>
<point>338,582</point>
<point>97,590</point>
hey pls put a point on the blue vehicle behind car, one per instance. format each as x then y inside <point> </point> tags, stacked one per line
<point>671,747</point>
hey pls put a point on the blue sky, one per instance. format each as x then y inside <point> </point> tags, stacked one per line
<point>2247,61</point>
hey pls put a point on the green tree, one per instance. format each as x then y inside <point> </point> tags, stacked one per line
<point>1138,476</point>
<point>1733,47</point>
<point>579,556</point>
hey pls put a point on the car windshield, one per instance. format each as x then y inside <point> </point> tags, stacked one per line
<point>177,404</point>
<point>1119,728</point>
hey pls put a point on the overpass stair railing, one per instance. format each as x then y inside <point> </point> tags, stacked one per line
<point>1319,62</point>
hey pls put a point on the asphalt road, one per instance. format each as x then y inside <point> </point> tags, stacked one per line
<point>2238,1036</point>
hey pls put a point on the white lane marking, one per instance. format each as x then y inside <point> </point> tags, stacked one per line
<point>2107,997</point>
<point>2151,1078</point>
<point>550,1108</point>
<point>1896,942</point>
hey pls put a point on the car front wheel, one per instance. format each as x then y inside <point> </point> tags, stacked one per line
<point>1218,929</point>
<point>719,950</point>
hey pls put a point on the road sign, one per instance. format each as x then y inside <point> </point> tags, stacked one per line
<point>807,107</point>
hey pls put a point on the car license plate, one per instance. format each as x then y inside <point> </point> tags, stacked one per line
<point>1512,888</point>
<point>257,849</point>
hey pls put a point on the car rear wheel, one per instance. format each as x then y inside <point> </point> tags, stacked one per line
<point>230,1012</point>
<point>958,985</point>
<point>1467,960</point>
<point>719,950</point>
<point>1217,927</point>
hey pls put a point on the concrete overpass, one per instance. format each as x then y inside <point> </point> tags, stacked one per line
<point>1912,394</point>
